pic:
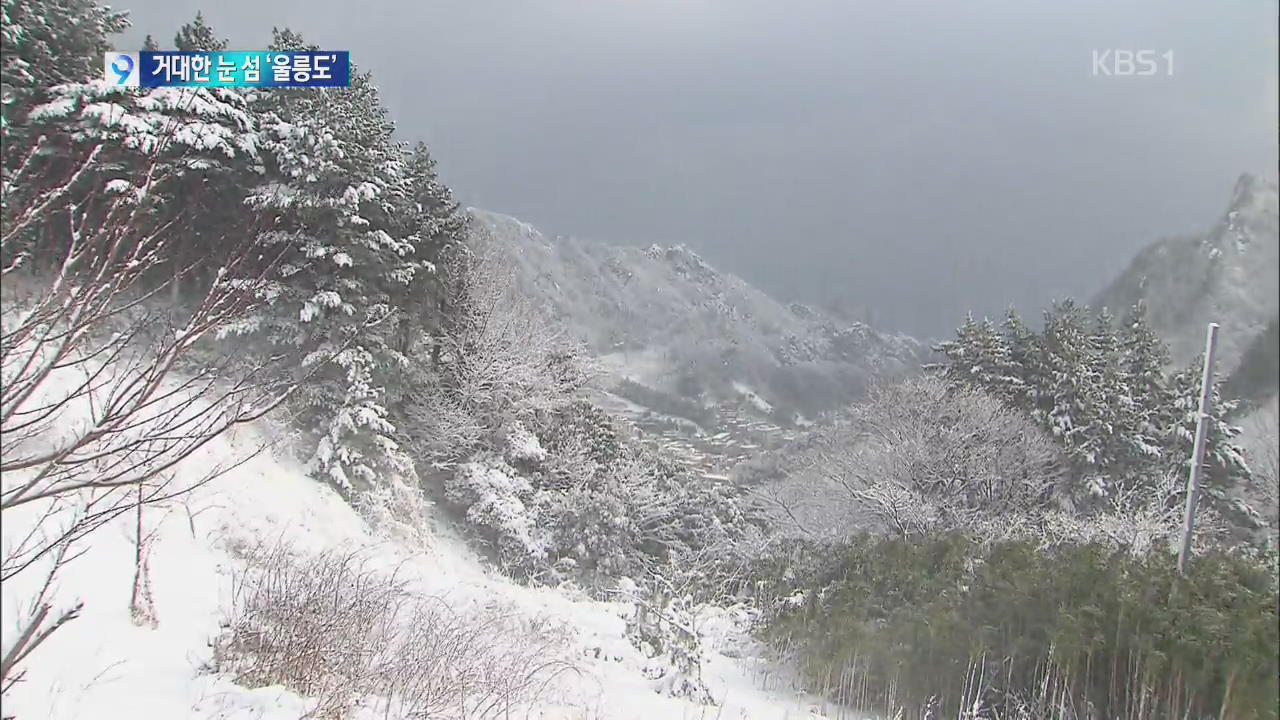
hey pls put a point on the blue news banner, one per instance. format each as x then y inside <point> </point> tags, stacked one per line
<point>263,69</point>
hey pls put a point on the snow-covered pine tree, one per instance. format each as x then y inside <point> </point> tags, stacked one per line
<point>433,220</point>
<point>1225,465</point>
<point>201,143</point>
<point>213,186</point>
<point>1143,359</point>
<point>1108,399</point>
<point>1023,374</point>
<point>977,356</point>
<point>425,213</point>
<point>1067,359</point>
<point>959,364</point>
<point>991,358</point>
<point>1145,356</point>
<point>197,36</point>
<point>335,172</point>
<point>1104,396</point>
<point>46,43</point>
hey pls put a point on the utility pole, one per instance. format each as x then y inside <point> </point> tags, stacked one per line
<point>1197,454</point>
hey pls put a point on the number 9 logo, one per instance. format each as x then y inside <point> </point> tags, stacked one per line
<point>123,67</point>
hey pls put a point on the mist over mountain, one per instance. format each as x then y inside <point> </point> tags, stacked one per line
<point>1257,377</point>
<point>1229,275</point>
<point>665,318</point>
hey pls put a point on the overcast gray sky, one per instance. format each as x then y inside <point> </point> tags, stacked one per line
<point>925,158</point>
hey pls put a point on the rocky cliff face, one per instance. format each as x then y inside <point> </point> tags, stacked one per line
<point>1229,275</point>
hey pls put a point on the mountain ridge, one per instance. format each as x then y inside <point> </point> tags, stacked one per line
<point>665,317</point>
<point>1227,275</point>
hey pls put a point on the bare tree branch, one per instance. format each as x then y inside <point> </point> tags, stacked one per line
<point>97,406</point>
<point>922,456</point>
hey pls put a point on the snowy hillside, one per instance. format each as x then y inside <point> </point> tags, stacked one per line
<point>1229,275</point>
<point>106,665</point>
<point>665,318</point>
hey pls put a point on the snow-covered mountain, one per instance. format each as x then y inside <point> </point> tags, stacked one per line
<point>666,319</point>
<point>1229,275</point>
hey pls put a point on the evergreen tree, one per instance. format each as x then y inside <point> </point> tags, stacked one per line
<point>286,40</point>
<point>1109,405</point>
<point>213,187</point>
<point>197,36</point>
<point>46,43</point>
<point>1104,344</point>
<point>1066,359</point>
<point>978,357</point>
<point>435,223</point>
<point>1143,358</point>
<point>201,141</point>
<point>1224,461</point>
<point>337,184</point>
<point>1102,392</point>
<point>359,219</point>
<point>194,147</point>
<point>961,353</point>
<point>1024,375</point>
<point>149,44</point>
<point>991,358</point>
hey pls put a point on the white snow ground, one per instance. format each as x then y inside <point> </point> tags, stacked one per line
<point>102,666</point>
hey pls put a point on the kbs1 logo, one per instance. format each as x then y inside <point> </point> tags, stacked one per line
<point>1132,63</point>
<point>261,69</point>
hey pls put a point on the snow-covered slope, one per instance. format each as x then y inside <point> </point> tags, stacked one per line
<point>1229,275</point>
<point>103,666</point>
<point>663,315</point>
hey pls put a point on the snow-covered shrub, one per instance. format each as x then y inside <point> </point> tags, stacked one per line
<point>433,423</point>
<point>594,531</point>
<point>925,457</point>
<point>555,487</point>
<point>588,524</point>
<point>582,440</point>
<point>613,522</point>
<point>662,627</point>
<point>522,446</point>
<point>344,634</point>
<point>494,355</point>
<point>499,507</point>
<point>579,499</point>
<point>398,510</point>
<point>491,367</point>
<point>1136,520</point>
<point>469,664</point>
<point>309,624</point>
<point>616,506</point>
